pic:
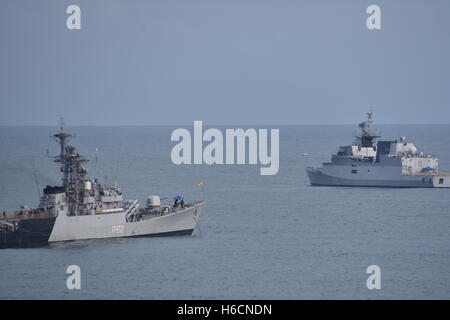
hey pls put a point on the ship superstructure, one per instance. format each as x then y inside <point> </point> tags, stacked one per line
<point>371,162</point>
<point>85,208</point>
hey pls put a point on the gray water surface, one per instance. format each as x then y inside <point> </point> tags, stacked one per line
<point>262,237</point>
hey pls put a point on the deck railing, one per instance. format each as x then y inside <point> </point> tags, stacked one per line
<point>10,216</point>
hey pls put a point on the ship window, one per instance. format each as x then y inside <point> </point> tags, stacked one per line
<point>354,171</point>
<point>441,181</point>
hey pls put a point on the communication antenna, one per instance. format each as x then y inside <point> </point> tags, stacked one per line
<point>61,124</point>
<point>36,177</point>
<point>117,164</point>
<point>201,186</point>
<point>96,156</point>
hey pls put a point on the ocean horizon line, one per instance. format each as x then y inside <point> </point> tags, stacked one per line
<point>218,125</point>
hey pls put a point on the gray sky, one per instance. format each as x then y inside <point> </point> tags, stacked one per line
<point>223,62</point>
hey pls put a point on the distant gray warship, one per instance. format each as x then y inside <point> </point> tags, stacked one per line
<point>84,208</point>
<point>384,164</point>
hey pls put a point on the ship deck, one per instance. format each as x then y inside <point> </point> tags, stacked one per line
<point>13,216</point>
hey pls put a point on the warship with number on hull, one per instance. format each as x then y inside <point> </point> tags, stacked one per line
<point>84,208</point>
<point>371,163</point>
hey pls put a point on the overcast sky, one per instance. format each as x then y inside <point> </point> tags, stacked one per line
<point>224,62</point>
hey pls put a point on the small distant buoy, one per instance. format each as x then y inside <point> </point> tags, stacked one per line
<point>305,154</point>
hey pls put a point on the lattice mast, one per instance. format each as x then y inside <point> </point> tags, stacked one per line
<point>73,172</point>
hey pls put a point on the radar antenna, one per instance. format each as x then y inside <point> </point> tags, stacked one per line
<point>367,135</point>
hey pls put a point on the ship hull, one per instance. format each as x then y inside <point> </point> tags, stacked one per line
<point>30,233</point>
<point>318,178</point>
<point>187,232</point>
<point>114,225</point>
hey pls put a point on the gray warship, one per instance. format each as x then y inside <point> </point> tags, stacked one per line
<point>371,162</point>
<point>84,208</point>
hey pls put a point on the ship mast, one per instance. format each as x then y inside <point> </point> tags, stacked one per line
<point>367,135</point>
<point>71,167</point>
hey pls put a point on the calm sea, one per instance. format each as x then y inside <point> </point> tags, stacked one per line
<point>262,237</point>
